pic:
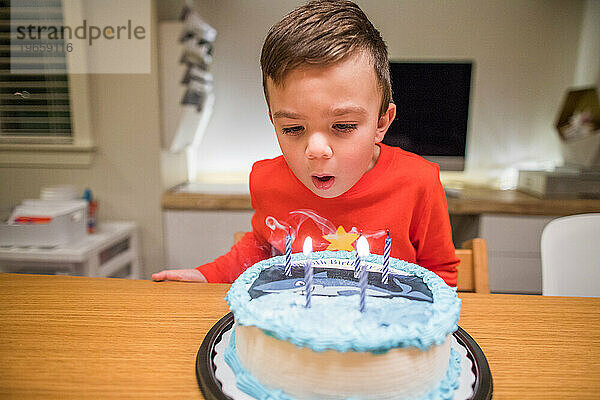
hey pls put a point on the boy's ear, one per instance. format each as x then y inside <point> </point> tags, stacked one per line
<point>384,122</point>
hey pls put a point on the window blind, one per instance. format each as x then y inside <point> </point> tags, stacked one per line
<point>34,86</point>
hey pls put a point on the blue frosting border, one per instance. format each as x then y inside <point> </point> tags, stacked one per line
<point>445,313</point>
<point>248,383</point>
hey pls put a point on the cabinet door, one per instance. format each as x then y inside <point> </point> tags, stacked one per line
<point>513,244</point>
<point>193,238</point>
<point>518,275</point>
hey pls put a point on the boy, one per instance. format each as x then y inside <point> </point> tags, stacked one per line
<point>327,85</point>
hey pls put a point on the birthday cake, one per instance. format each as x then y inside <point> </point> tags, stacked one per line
<point>397,347</point>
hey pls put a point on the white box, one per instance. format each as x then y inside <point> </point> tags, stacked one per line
<point>67,223</point>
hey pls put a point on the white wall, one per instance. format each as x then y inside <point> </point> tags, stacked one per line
<point>525,54</point>
<point>125,174</point>
<point>588,57</point>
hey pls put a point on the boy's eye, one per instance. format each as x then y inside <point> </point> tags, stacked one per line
<point>344,127</point>
<point>292,130</point>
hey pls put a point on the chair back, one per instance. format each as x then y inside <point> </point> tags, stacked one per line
<point>472,270</point>
<point>570,249</point>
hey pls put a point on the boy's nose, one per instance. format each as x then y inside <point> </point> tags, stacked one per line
<point>318,146</point>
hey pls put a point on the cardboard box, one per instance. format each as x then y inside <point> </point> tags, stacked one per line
<point>580,115</point>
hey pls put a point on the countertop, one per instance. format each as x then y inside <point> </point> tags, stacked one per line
<point>469,200</point>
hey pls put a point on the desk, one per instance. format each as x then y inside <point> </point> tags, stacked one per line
<point>471,200</point>
<point>112,251</point>
<point>84,337</point>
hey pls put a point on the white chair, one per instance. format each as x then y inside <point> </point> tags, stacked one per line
<point>571,256</point>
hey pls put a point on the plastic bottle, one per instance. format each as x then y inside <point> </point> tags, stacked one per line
<point>92,208</point>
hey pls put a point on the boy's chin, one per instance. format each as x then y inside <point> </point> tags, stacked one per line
<point>330,193</point>
<point>325,194</point>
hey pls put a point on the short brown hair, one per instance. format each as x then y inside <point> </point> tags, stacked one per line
<point>324,32</point>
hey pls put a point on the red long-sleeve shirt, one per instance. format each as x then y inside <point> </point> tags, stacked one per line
<point>402,193</point>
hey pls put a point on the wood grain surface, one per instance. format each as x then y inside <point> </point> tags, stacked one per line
<point>471,201</point>
<point>72,337</point>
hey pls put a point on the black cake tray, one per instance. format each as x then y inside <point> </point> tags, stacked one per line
<point>211,387</point>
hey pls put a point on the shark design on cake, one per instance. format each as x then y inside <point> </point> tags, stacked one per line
<point>338,282</point>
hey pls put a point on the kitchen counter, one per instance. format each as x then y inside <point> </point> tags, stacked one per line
<point>470,200</point>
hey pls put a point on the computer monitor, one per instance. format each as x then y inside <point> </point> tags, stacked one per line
<point>432,101</point>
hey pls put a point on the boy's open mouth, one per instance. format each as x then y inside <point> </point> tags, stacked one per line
<point>323,182</point>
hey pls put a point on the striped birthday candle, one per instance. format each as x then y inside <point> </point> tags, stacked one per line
<point>386,259</point>
<point>357,260</point>
<point>308,269</point>
<point>362,247</point>
<point>357,266</point>
<point>288,254</point>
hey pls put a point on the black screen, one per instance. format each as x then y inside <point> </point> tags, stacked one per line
<point>432,101</point>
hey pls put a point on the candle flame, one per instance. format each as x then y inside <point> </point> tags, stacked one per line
<point>307,249</point>
<point>362,247</point>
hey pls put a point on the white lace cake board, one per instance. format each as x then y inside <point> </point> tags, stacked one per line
<point>227,378</point>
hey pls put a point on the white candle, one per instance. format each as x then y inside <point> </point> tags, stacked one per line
<point>362,247</point>
<point>308,269</point>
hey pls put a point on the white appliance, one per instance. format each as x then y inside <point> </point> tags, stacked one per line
<point>45,223</point>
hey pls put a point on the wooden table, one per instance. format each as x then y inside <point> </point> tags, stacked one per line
<point>69,337</point>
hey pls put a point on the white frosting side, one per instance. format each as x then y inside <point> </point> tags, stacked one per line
<point>331,375</point>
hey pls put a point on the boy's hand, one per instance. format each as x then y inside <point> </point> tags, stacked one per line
<point>186,275</point>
